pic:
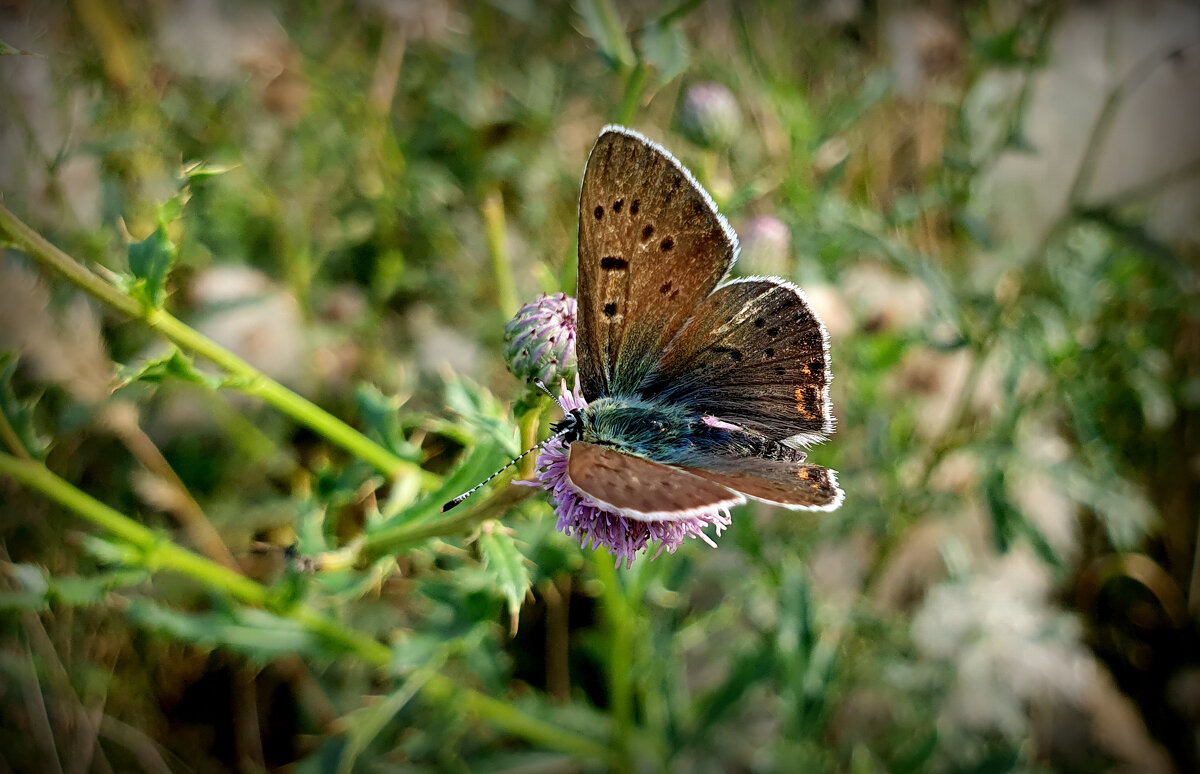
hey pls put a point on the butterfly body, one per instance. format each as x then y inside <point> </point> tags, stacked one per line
<point>668,434</point>
<point>698,393</point>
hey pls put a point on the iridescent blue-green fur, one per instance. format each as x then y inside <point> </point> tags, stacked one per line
<point>674,435</point>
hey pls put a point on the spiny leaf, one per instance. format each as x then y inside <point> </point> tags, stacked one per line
<point>174,365</point>
<point>381,417</point>
<point>18,414</point>
<point>198,170</point>
<point>150,261</point>
<point>507,567</point>
<point>256,633</point>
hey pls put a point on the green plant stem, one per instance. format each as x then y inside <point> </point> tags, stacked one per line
<point>10,438</point>
<point>160,554</point>
<point>497,242</point>
<point>246,377</point>
<point>635,84</point>
<point>530,424</point>
<point>618,618</point>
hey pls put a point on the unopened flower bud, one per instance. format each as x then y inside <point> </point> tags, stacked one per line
<point>766,245</point>
<point>539,341</point>
<point>709,116</point>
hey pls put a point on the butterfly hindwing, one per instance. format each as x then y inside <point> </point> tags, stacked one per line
<point>640,489</point>
<point>792,485</point>
<point>755,354</point>
<point>651,247</point>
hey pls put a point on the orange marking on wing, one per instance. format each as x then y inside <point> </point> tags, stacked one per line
<point>802,404</point>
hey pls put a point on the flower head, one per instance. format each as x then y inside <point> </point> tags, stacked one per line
<point>709,116</point>
<point>539,341</point>
<point>592,524</point>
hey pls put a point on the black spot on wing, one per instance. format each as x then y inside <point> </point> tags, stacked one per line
<point>612,262</point>
<point>610,309</point>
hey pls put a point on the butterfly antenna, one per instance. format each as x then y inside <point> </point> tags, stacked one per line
<point>475,488</point>
<point>541,386</point>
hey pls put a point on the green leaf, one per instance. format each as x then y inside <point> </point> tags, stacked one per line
<point>150,261</point>
<point>255,633</point>
<point>18,414</point>
<point>747,670</point>
<point>173,365</point>
<point>481,411</point>
<point>604,26</point>
<point>666,47</point>
<point>198,170</point>
<point>507,566</point>
<point>380,416</point>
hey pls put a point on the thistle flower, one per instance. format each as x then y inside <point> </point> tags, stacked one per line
<point>592,525</point>
<point>539,342</point>
<point>709,116</point>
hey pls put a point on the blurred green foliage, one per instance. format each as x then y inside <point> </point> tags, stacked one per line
<point>352,197</point>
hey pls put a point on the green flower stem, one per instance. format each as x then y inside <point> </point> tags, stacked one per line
<point>246,377</point>
<point>635,85</point>
<point>530,426</point>
<point>161,554</point>
<point>619,620</point>
<point>497,243</point>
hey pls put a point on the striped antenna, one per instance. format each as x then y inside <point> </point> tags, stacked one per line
<point>541,386</point>
<point>520,457</point>
<point>475,488</point>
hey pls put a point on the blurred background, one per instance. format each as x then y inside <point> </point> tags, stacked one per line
<point>995,207</point>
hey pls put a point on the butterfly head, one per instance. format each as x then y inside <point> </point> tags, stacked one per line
<point>569,427</point>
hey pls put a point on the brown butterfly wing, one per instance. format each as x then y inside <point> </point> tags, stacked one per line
<point>651,247</point>
<point>810,487</point>
<point>640,489</point>
<point>755,354</point>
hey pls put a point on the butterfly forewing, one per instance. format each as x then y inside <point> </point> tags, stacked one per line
<point>640,489</point>
<point>651,247</point>
<point>754,354</point>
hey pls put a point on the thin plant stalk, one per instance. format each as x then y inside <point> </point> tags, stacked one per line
<point>619,620</point>
<point>497,243</point>
<point>160,554</point>
<point>244,376</point>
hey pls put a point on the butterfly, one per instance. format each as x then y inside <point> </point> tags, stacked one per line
<point>697,393</point>
<point>700,392</point>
